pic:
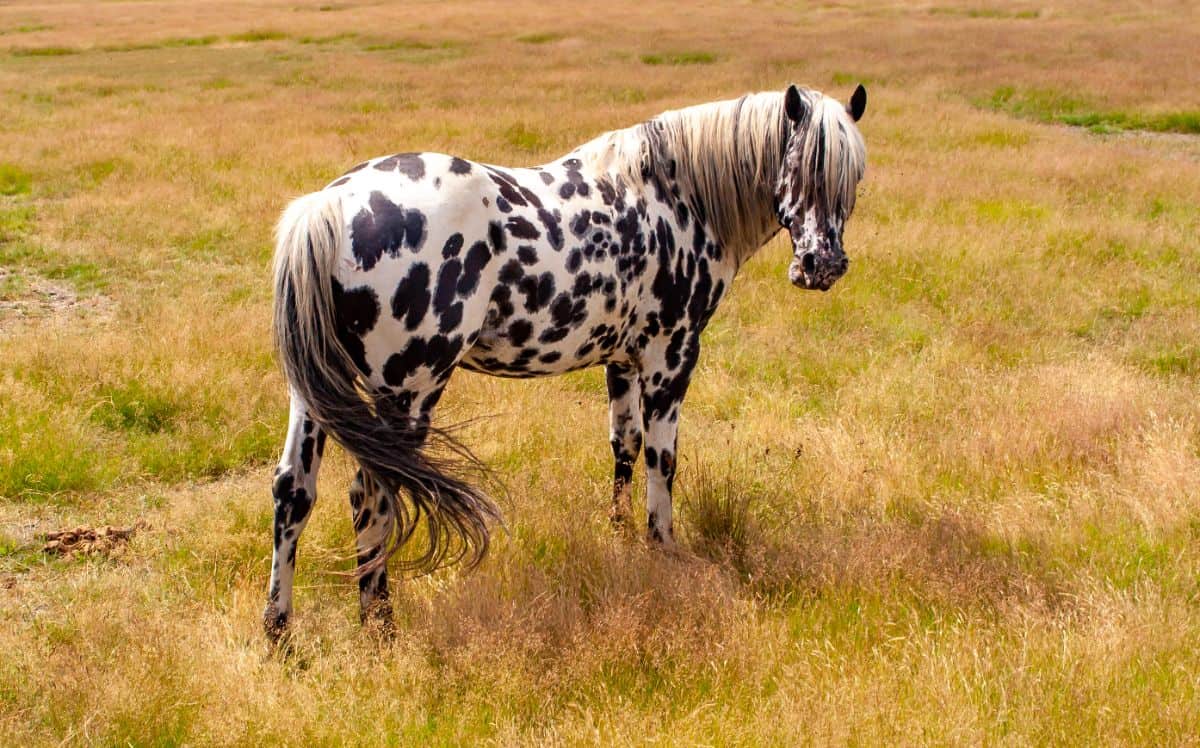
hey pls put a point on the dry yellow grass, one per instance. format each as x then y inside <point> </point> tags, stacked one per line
<point>954,501</point>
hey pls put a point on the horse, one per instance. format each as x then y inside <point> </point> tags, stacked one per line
<point>413,265</point>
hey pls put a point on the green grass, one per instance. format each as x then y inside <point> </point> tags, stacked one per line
<point>679,58</point>
<point>540,37</point>
<point>48,51</point>
<point>1046,105</point>
<point>14,180</point>
<point>258,35</point>
<point>994,13</point>
<point>952,501</point>
<point>525,138</point>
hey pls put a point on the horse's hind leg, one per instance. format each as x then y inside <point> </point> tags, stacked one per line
<point>294,491</point>
<point>625,435</point>
<point>372,524</point>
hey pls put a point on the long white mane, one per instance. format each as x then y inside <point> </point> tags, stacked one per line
<point>727,157</point>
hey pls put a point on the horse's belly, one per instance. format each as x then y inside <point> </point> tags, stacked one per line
<point>540,347</point>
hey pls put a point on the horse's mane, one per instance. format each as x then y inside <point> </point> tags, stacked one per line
<point>727,155</point>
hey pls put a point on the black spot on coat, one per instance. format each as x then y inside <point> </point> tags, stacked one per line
<point>385,228</point>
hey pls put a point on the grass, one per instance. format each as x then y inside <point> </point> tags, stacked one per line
<point>951,501</point>
<point>680,58</point>
<point>540,37</point>
<point>1055,106</point>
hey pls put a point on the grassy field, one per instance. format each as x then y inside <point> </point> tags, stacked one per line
<point>956,500</point>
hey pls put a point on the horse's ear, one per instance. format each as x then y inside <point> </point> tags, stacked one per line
<point>794,105</point>
<point>858,103</point>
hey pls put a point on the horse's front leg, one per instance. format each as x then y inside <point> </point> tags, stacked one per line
<point>665,376</point>
<point>294,492</point>
<point>625,434</point>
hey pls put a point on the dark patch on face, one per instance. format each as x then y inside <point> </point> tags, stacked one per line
<point>503,205</point>
<point>547,178</point>
<point>355,313</point>
<point>409,164</point>
<point>411,300</point>
<point>459,166</point>
<point>651,458</point>
<point>521,228</point>
<point>386,227</point>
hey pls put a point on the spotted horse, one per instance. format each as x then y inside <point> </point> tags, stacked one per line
<point>617,254</point>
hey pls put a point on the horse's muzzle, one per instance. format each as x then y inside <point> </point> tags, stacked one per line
<point>817,271</point>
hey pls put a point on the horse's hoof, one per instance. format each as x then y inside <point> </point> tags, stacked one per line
<point>663,542</point>
<point>620,522</point>
<point>377,619</point>
<point>275,622</point>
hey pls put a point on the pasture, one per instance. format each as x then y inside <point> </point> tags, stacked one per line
<point>954,500</point>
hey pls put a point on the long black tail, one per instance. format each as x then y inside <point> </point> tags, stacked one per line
<point>404,457</point>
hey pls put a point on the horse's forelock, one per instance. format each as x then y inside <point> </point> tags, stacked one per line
<point>832,157</point>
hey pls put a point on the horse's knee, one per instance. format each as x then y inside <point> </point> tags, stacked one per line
<point>292,502</point>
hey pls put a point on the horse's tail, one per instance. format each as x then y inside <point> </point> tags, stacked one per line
<point>401,455</point>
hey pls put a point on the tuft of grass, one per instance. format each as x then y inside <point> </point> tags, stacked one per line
<point>15,222</point>
<point>524,138</point>
<point>540,37</point>
<point>28,28</point>
<point>49,51</point>
<point>679,58</point>
<point>260,35</point>
<point>717,510</point>
<point>328,39</point>
<point>852,79</point>
<point>1024,15</point>
<point>1051,106</point>
<point>191,41</point>
<point>14,180</point>
<point>135,407</point>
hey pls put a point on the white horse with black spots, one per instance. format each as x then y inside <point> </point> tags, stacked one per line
<point>617,254</point>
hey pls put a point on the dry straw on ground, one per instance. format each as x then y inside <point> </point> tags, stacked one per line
<point>955,500</point>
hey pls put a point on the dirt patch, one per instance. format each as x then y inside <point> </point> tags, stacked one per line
<point>89,541</point>
<point>26,297</point>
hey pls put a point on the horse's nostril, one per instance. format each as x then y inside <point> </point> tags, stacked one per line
<point>808,262</point>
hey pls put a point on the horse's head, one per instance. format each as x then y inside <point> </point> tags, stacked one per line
<point>814,197</point>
